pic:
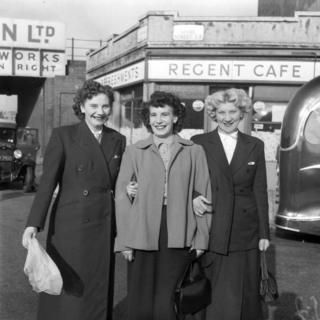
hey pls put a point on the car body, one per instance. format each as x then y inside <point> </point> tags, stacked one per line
<point>299,179</point>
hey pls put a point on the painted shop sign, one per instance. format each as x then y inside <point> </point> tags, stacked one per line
<point>188,32</point>
<point>124,76</point>
<point>32,34</point>
<point>32,48</point>
<point>31,63</point>
<point>237,70</point>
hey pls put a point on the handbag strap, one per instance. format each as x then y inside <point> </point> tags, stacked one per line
<point>263,264</point>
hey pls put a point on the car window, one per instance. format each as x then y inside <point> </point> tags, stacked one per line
<point>312,127</point>
<point>7,135</point>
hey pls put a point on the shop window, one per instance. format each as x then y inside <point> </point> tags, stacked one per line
<point>131,123</point>
<point>130,108</point>
<point>267,116</point>
<point>311,130</point>
<point>194,114</point>
<point>194,120</point>
<point>266,125</point>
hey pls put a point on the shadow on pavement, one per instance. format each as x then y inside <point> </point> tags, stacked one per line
<point>13,195</point>
<point>284,308</point>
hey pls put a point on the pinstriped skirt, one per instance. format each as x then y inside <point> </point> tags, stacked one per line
<point>235,285</point>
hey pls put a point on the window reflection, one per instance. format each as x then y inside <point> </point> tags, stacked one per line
<point>311,130</point>
<point>131,124</point>
<point>7,135</point>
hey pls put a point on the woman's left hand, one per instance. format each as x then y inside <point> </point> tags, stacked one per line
<point>199,252</point>
<point>128,255</point>
<point>132,189</point>
<point>263,244</point>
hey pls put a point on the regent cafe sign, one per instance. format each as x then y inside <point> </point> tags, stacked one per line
<point>233,70</point>
<point>32,48</point>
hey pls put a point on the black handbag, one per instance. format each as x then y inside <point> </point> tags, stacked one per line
<point>193,291</point>
<point>268,284</point>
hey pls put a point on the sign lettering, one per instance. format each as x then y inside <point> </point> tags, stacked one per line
<point>32,63</point>
<point>124,76</point>
<point>37,48</point>
<point>236,70</point>
<point>188,32</point>
<point>32,34</point>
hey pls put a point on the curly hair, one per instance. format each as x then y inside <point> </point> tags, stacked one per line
<point>89,89</point>
<point>162,99</point>
<point>238,97</point>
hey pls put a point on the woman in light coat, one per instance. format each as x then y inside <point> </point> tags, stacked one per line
<point>157,230</point>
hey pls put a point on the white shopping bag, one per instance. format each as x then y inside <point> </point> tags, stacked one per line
<point>43,274</point>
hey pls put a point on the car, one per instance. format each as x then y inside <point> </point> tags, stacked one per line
<point>18,152</point>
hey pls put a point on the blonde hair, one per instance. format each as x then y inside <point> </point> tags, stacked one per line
<point>238,97</point>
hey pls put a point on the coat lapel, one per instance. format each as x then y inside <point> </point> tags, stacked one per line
<point>241,152</point>
<point>216,152</point>
<point>178,147</point>
<point>91,146</point>
<point>107,144</point>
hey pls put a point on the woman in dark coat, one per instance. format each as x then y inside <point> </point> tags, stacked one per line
<point>240,225</point>
<point>83,160</point>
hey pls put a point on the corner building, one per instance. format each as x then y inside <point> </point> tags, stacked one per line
<point>269,57</point>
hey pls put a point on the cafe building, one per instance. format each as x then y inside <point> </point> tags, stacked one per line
<point>269,57</point>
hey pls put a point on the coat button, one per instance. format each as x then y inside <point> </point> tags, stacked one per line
<point>217,189</point>
<point>85,192</point>
<point>244,210</point>
<point>80,168</point>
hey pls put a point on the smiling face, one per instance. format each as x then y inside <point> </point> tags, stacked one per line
<point>96,111</point>
<point>162,120</point>
<point>228,117</point>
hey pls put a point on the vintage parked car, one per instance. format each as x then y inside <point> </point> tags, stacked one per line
<point>18,152</point>
<point>299,202</point>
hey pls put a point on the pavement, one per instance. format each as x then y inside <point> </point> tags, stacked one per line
<point>294,259</point>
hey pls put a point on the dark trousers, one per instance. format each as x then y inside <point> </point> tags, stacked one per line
<point>152,278</point>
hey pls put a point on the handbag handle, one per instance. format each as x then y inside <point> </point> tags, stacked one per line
<point>263,264</point>
<point>188,270</point>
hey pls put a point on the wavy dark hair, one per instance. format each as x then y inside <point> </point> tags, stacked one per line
<point>89,89</point>
<point>162,99</point>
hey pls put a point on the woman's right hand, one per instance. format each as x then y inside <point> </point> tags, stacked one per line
<point>128,255</point>
<point>132,189</point>
<point>28,234</point>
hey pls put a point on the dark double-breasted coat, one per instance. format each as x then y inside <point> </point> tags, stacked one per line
<point>240,198</point>
<point>239,221</point>
<point>81,225</point>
